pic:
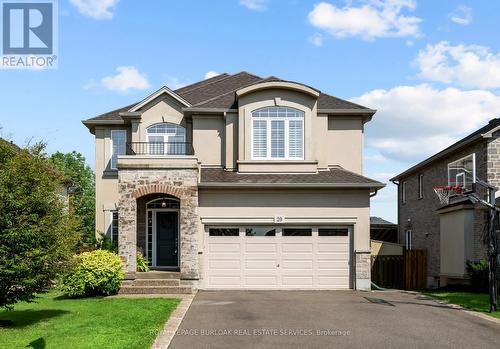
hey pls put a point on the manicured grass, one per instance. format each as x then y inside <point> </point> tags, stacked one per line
<point>112,323</point>
<point>473,301</point>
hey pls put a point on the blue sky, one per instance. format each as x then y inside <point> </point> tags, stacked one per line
<point>431,68</point>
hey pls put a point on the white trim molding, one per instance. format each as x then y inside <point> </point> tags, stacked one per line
<point>270,220</point>
<point>155,95</point>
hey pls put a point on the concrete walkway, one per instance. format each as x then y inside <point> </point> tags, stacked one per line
<point>329,319</point>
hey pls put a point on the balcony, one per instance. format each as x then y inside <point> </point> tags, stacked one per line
<point>158,155</point>
<point>160,148</point>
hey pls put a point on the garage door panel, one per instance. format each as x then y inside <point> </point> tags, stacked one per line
<point>261,281</point>
<point>297,281</point>
<point>229,263</point>
<point>333,281</point>
<point>297,264</point>
<point>260,247</point>
<point>332,264</point>
<point>261,264</point>
<point>332,247</point>
<point>296,247</point>
<point>341,272</point>
<point>224,247</point>
<point>333,256</point>
<point>297,256</point>
<point>225,281</point>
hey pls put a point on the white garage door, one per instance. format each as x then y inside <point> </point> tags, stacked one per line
<point>277,258</point>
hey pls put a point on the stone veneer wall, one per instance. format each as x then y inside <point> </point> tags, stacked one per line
<point>181,183</point>
<point>422,212</point>
<point>363,270</point>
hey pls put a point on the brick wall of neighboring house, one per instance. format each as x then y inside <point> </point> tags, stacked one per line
<point>422,212</point>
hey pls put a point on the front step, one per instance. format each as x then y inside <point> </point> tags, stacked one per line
<point>158,275</point>
<point>155,290</point>
<point>156,282</point>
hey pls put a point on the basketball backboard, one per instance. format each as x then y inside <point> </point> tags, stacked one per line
<point>462,172</point>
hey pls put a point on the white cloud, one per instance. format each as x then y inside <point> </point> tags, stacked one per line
<point>461,15</point>
<point>211,74</point>
<point>471,66</point>
<point>376,158</point>
<point>97,9</point>
<point>370,20</point>
<point>128,78</point>
<point>414,122</point>
<point>256,5</point>
<point>317,39</point>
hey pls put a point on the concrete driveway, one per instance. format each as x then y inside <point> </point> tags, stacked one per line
<point>328,319</point>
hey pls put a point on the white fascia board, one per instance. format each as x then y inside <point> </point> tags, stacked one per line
<point>156,94</point>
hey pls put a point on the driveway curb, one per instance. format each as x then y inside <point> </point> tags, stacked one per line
<point>458,307</point>
<point>166,334</point>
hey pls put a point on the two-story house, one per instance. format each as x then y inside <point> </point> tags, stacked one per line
<point>238,182</point>
<point>452,234</point>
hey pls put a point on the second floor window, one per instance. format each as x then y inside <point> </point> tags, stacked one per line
<point>420,186</point>
<point>167,139</point>
<point>118,145</point>
<point>403,193</point>
<point>278,133</point>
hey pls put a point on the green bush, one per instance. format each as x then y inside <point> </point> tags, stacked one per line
<point>94,273</point>
<point>142,263</point>
<point>478,275</point>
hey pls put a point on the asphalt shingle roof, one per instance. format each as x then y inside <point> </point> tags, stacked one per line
<point>220,92</point>
<point>334,177</point>
<point>379,221</point>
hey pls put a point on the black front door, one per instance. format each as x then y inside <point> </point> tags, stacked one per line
<point>167,238</point>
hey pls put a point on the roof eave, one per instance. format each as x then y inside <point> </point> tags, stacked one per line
<point>438,156</point>
<point>371,186</point>
<point>209,110</point>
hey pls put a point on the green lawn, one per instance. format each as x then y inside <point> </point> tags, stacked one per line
<point>53,322</point>
<point>473,301</point>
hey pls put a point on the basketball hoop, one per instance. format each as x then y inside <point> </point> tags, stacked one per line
<point>444,192</point>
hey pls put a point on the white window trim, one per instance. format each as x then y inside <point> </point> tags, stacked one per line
<point>421,186</point>
<point>112,150</point>
<point>268,137</point>
<point>408,239</point>
<point>403,192</point>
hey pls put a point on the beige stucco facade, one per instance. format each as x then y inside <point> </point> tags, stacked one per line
<point>456,235</point>
<point>223,139</point>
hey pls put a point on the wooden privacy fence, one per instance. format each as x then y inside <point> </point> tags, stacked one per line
<point>387,271</point>
<point>408,271</point>
<point>415,274</point>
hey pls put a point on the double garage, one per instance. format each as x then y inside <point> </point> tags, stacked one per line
<point>259,257</point>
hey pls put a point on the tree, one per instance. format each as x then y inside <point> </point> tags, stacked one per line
<point>82,191</point>
<point>37,235</point>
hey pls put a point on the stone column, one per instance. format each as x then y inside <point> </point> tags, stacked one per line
<point>127,230</point>
<point>363,270</point>
<point>189,228</point>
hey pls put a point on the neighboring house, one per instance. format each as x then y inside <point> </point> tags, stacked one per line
<point>452,234</point>
<point>238,182</point>
<point>382,230</point>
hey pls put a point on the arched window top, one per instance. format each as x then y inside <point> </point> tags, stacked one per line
<point>166,128</point>
<point>277,133</point>
<point>166,202</point>
<point>277,112</point>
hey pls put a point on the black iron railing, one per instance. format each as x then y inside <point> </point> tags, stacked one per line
<point>159,148</point>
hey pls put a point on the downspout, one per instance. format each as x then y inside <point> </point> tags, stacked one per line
<point>396,183</point>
